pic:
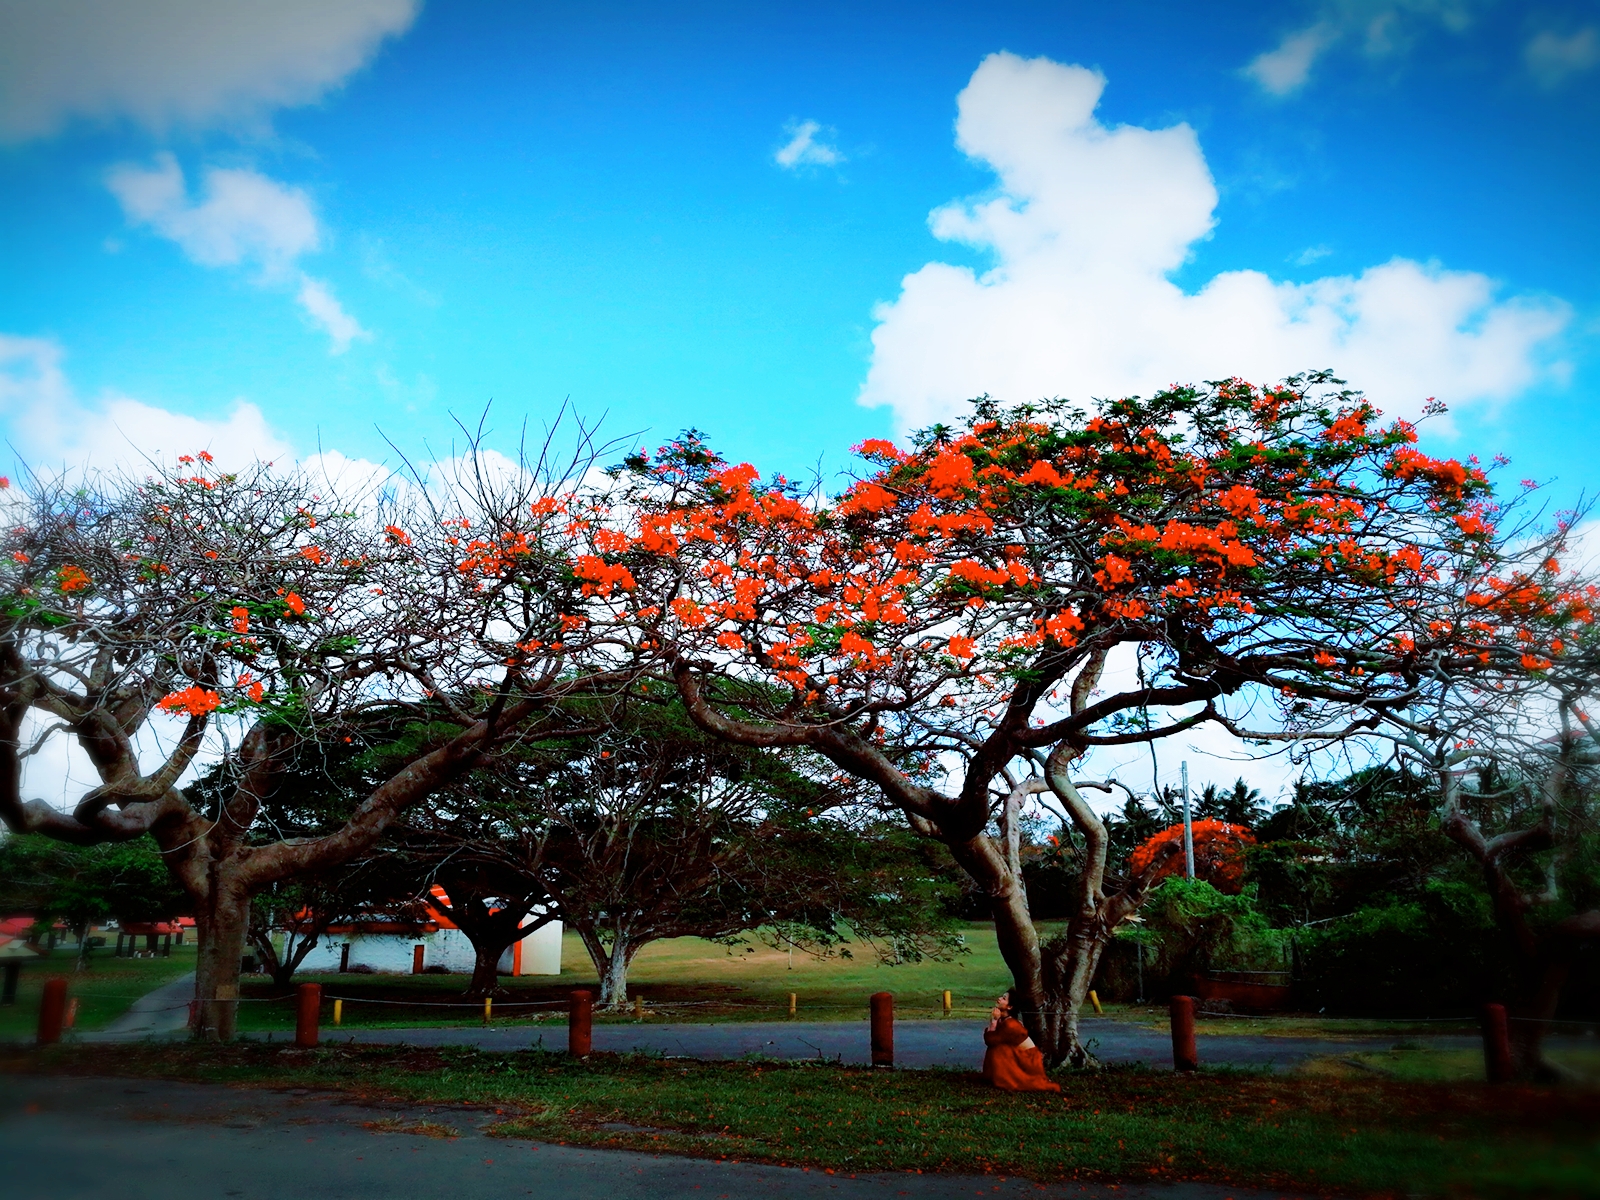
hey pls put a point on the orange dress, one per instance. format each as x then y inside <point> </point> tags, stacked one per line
<point>1012,1062</point>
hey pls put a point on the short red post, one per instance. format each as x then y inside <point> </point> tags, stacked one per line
<point>1496,1044</point>
<point>580,1023</point>
<point>416,960</point>
<point>307,1012</point>
<point>882,1029</point>
<point>1184,1055</point>
<point>52,1011</point>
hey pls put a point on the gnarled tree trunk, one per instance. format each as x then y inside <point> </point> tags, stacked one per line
<point>222,918</point>
<point>610,964</point>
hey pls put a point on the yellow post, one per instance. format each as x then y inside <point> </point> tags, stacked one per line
<point>947,1002</point>
<point>791,1004</point>
<point>338,1012</point>
<point>488,1009</point>
<point>638,1008</point>
<point>1095,1000</point>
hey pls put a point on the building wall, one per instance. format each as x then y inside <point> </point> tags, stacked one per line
<point>448,948</point>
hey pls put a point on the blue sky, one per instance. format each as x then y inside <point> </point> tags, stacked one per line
<point>360,223</point>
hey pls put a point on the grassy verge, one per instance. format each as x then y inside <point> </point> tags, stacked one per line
<point>1363,1136</point>
<point>1425,1064</point>
<point>683,979</point>
<point>104,990</point>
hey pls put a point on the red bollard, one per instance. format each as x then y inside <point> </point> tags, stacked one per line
<point>52,1011</point>
<point>580,1023</point>
<point>307,1011</point>
<point>882,1029</point>
<point>1496,1044</point>
<point>1184,1055</point>
<point>416,960</point>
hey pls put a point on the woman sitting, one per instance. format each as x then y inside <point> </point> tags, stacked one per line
<point>1012,1062</point>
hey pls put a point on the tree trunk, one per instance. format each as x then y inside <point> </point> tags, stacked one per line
<point>614,987</point>
<point>486,967</point>
<point>222,919</point>
<point>1071,960</point>
<point>610,965</point>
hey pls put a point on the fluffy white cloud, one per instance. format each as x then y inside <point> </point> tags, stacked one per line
<point>1085,226</point>
<point>327,312</point>
<point>242,218</point>
<point>806,149</point>
<point>1551,58</point>
<point>52,428</point>
<point>1383,27</point>
<point>191,63</point>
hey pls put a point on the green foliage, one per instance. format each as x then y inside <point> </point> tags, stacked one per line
<point>1190,928</point>
<point>1436,955</point>
<point>84,884</point>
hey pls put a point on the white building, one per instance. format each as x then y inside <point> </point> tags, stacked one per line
<point>396,947</point>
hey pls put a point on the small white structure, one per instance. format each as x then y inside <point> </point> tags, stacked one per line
<point>395,947</point>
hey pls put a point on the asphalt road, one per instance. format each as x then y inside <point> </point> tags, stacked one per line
<point>948,1043</point>
<point>121,1139</point>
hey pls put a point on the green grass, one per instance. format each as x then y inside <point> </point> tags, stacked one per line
<point>1360,1136</point>
<point>1423,1064</point>
<point>104,990</point>
<point>681,979</point>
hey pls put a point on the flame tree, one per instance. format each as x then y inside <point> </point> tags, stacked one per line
<point>156,624</point>
<point>986,606</point>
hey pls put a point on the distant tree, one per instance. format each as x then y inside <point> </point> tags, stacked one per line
<point>651,829</point>
<point>260,616</point>
<point>1219,854</point>
<point>942,630</point>
<point>289,920</point>
<point>86,885</point>
<point>1239,805</point>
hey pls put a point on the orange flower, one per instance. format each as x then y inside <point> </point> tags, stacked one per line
<point>396,535</point>
<point>313,554</point>
<point>961,647</point>
<point>241,619</point>
<point>72,579</point>
<point>296,605</point>
<point>194,700</point>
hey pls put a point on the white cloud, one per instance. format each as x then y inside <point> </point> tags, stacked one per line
<point>1551,58</point>
<point>806,149</point>
<point>52,428</point>
<point>326,311</point>
<point>1286,68</point>
<point>188,63</point>
<point>243,218</point>
<point>1310,255</point>
<point>1384,27</point>
<point>1085,226</point>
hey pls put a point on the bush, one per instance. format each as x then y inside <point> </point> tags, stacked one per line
<point>1439,955</point>
<point>1189,929</point>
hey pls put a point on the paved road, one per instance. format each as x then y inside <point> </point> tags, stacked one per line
<point>163,1011</point>
<point>121,1139</point>
<point>949,1043</point>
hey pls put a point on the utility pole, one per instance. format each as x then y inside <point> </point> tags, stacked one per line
<point>1188,828</point>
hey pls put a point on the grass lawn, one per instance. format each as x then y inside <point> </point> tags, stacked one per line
<point>688,979</point>
<point>1414,1063</point>
<point>104,989</point>
<point>682,979</point>
<point>1356,1136</point>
